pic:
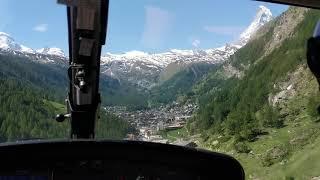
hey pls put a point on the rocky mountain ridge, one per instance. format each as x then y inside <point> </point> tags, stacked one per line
<point>140,68</point>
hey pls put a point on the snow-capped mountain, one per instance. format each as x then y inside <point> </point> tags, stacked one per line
<point>45,55</point>
<point>263,16</point>
<point>51,51</point>
<point>7,43</point>
<point>174,55</point>
<point>142,68</point>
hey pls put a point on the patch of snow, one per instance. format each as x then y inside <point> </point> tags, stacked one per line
<point>223,48</point>
<point>27,50</point>
<point>182,52</point>
<point>134,54</point>
<point>263,16</point>
<point>51,51</point>
<point>4,34</point>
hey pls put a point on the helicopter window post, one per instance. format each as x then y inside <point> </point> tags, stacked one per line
<point>86,18</point>
<point>85,36</point>
<point>86,46</point>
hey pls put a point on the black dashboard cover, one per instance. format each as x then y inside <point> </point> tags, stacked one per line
<point>114,158</point>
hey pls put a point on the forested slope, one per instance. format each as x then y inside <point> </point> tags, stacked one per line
<point>31,94</point>
<point>261,105</point>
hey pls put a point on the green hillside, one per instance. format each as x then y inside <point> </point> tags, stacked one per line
<point>32,94</point>
<point>267,118</point>
<point>53,79</point>
<point>234,103</point>
<point>179,85</point>
<point>27,112</point>
<point>171,70</point>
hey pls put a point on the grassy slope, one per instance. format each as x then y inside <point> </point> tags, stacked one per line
<point>178,85</point>
<point>291,151</point>
<point>108,126</point>
<point>300,138</point>
<point>301,163</point>
<point>173,135</point>
<point>59,108</point>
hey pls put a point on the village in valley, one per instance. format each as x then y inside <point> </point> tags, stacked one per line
<point>151,122</point>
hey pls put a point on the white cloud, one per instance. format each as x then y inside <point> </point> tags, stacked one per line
<point>225,30</point>
<point>41,28</point>
<point>196,43</point>
<point>157,25</point>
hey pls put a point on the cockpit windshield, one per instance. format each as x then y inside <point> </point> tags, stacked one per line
<point>226,76</point>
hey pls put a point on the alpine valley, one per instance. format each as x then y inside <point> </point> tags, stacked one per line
<point>137,71</point>
<point>253,98</point>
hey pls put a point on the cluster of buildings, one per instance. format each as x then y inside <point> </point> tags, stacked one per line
<point>150,121</point>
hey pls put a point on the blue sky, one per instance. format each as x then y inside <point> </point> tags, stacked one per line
<point>145,25</point>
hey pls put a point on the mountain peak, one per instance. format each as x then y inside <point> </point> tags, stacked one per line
<point>135,54</point>
<point>4,34</point>
<point>264,9</point>
<point>51,51</point>
<point>7,42</point>
<point>262,17</point>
